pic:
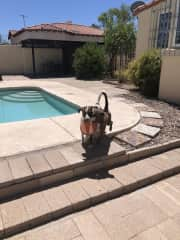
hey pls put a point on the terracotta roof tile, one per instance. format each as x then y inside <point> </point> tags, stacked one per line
<point>62,27</point>
<point>146,6</point>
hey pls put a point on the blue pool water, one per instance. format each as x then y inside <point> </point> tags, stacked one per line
<point>27,104</point>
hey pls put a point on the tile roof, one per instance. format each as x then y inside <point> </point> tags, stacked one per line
<point>146,6</point>
<point>61,27</point>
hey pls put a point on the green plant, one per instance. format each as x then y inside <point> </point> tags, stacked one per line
<point>89,61</point>
<point>120,33</point>
<point>145,72</point>
<point>132,71</point>
<point>120,75</point>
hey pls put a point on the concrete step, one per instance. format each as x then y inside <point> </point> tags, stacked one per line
<point>32,171</point>
<point>41,207</point>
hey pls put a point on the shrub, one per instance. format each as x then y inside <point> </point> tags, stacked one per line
<point>132,71</point>
<point>120,75</point>
<point>89,61</point>
<point>145,72</point>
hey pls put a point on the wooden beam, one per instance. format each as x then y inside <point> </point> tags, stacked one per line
<point>33,59</point>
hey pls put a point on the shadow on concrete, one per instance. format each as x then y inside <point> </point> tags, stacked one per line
<point>98,150</point>
<point>102,174</point>
<point>51,75</point>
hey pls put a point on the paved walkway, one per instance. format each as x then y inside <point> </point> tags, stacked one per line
<point>37,134</point>
<point>129,218</point>
<point>152,213</point>
<point>39,168</point>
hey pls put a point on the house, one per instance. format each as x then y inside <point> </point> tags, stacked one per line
<point>45,48</point>
<point>159,27</point>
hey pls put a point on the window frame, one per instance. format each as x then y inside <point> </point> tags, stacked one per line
<point>177,13</point>
<point>168,32</point>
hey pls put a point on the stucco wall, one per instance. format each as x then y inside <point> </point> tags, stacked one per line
<point>17,60</point>
<point>143,32</point>
<point>170,79</point>
<point>148,21</point>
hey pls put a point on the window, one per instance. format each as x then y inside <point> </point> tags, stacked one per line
<point>177,39</point>
<point>163,31</point>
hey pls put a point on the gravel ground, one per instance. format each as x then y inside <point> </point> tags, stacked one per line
<point>169,112</point>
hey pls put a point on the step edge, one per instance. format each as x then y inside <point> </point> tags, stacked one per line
<point>58,170</point>
<point>118,160</point>
<point>149,151</point>
<point>92,201</point>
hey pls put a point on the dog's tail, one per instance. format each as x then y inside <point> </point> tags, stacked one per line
<point>106,107</point>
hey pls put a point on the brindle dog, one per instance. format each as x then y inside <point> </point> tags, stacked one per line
<point>95,119</point>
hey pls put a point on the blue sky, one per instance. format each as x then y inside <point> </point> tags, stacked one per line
<point>47,11</point>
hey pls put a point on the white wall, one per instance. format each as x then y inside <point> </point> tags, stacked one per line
<point>148,20</point>
<point>17,60</point>
<point>142,43</point>
<point>170,79</point>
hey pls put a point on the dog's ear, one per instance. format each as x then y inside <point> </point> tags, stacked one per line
<point>81,109</point>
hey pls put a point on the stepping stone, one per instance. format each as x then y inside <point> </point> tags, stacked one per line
<point>143,107</point>
<point>133,138</point>
<point>146,130</point>
<point>154,122</point>
<point>150,114</point>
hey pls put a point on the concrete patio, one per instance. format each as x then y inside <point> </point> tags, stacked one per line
<point>18,137</point>
<point>47,177</point>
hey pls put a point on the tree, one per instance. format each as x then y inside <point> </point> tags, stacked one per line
<point>95,26</point>
<point>119,28</point>
<point>89,61</point>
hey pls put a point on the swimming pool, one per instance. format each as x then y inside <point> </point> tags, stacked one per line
<point>30,103</point>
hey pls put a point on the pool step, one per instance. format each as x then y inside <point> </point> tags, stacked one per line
<point>41,207</point>
<point>25,96</point>
<point>28,172</point>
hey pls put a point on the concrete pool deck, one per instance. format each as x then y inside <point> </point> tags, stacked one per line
<point>25,136</point>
